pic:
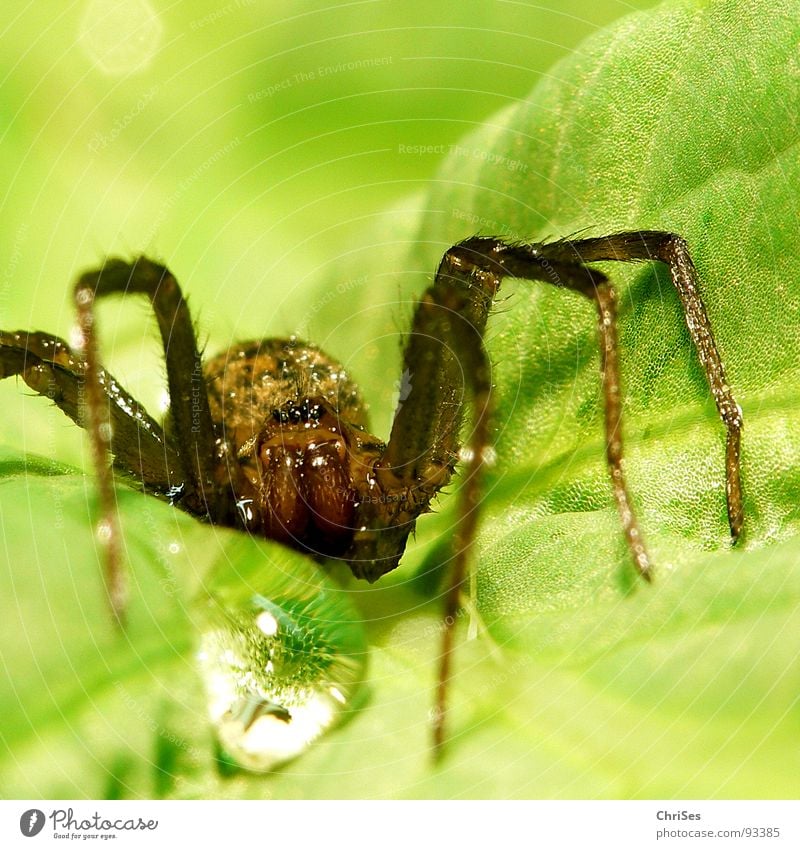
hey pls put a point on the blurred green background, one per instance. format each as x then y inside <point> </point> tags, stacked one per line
<point>289,162</point>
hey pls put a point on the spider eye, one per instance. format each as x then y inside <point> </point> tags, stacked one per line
<point>302,411</point>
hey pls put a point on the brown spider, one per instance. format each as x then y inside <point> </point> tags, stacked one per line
<point>271,436</point>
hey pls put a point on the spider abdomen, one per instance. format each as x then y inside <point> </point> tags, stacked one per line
<point>250,380</point>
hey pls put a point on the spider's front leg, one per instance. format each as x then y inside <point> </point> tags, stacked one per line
<point>446,353</point>
<point>192,434</point>
<point>446,356</point>
<point>52,369</point>
<point>671,249</point>
<point>445,359</point>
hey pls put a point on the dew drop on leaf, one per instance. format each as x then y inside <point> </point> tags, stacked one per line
<point>283,657</point>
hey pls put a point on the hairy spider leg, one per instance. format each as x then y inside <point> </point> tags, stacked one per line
<point>454,310</point>
<point>445,352</point>
<point>192,434</point>
<point>49,366</point>
<point>672,250</point>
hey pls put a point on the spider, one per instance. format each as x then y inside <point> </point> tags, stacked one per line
<point>271,436</point>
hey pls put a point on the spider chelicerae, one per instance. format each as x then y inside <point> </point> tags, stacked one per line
<point>271,436</point>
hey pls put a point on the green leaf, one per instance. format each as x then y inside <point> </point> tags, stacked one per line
<point>584,684</point>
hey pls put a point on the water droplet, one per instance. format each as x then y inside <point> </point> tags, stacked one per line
<point>76,338</point>
<point>489,455</point>
<point>103,531</point>
<point>283,657</point>
<point>466,454</point>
